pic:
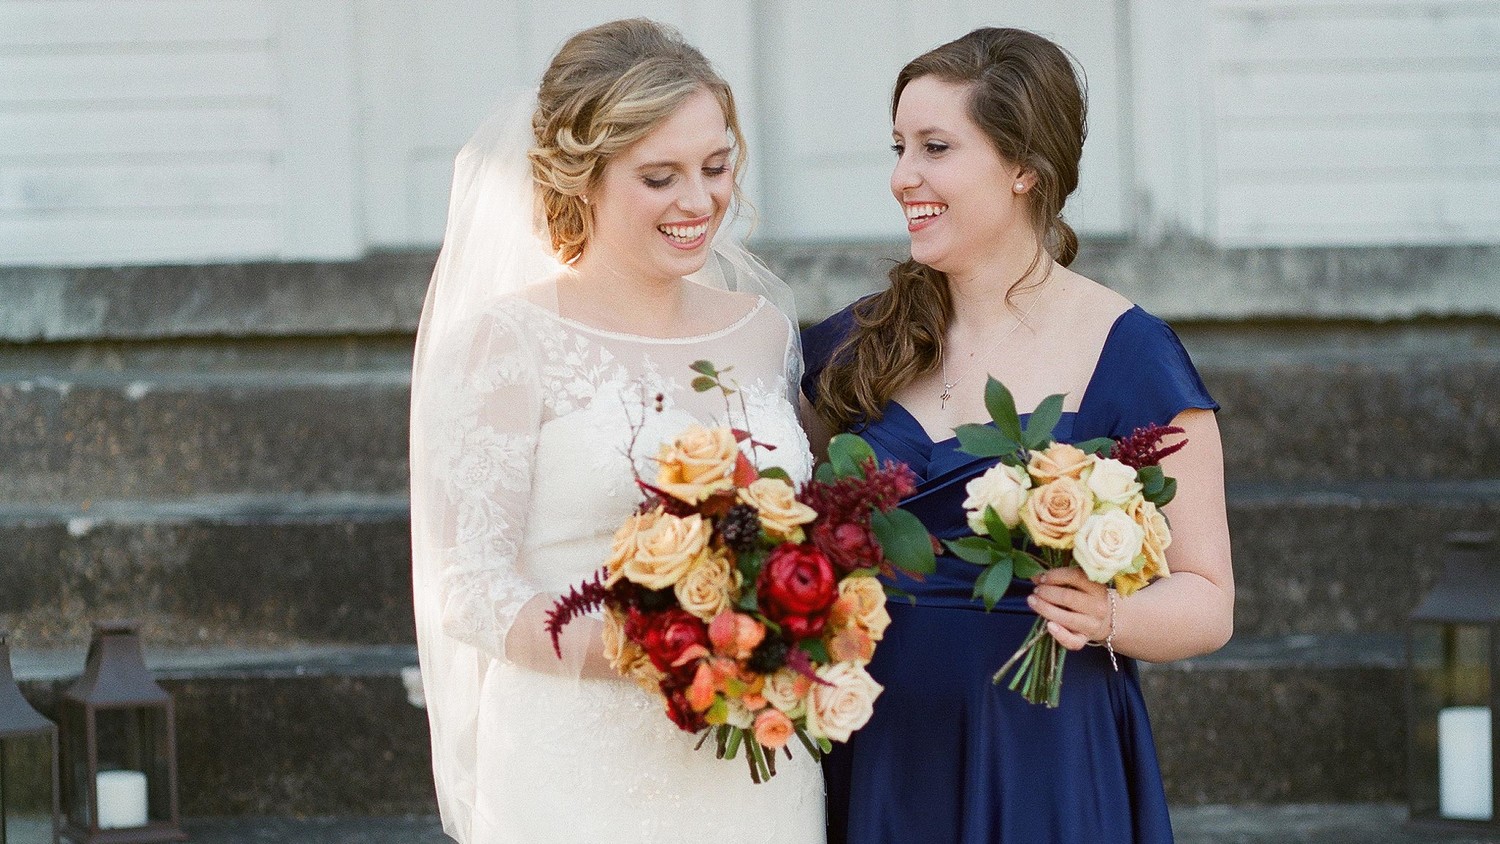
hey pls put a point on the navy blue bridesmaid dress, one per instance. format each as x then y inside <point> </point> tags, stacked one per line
<point>949,757</point>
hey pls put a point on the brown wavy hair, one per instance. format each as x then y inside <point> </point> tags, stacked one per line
<point>1027,97</point>
<point>607,88</point>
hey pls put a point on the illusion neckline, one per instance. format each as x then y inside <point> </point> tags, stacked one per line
<point>740,322</point>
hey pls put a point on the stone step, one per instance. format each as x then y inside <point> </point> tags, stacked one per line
<point>279,569</point>
<point>107,420</point>
<point>103,436</point>
<point>314,731</point>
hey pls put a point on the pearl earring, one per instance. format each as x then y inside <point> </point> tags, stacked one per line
<point>1020,187</point>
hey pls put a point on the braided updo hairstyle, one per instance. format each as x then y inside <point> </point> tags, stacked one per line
<point>608,87</point>
<point>1027,98</point>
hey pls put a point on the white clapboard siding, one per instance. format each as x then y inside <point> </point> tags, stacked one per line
<point>53,24</point>
<point>124,188</point>
<point>238,72</point>
<point>153,131</point>
<point>1354,123</point>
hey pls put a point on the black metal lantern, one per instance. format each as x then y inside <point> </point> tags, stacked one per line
<point>1453,691</point>
<point>29,807</point>
<point>119,747</point>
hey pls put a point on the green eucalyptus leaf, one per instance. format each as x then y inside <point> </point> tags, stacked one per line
<point>1042,421</point>
<point>974,549</point>
<point>1097,445</point>
<point>848,454</point>
<point>824,474</point>
<point>704,367</point>
<point>904,540</point>
<point>1025,566</point>
<point>703,384</point>
<point>1002,407</point>
<point>1165,495</point>
<point>985,441</point>
<point>776,472</point>
<point>992,582</point>
<point>999,533</point>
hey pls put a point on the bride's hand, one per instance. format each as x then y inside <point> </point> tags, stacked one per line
<point>528,644</point>
<point>1076,608</point>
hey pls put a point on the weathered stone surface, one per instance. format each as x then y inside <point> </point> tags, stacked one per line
<point>143,436</point>
<point>333,569</point>
<point>1262,722</point>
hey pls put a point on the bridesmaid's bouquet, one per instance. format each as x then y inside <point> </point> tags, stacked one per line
<point>1045,505</point>
<point>748,606</point>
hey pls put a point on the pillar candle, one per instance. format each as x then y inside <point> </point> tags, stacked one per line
<point>1464,766</point>
<point>122,799</point>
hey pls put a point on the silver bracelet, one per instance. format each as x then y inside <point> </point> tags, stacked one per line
<point>1109,641</point>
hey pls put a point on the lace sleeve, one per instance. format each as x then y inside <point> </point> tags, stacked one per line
<point>473,437</point>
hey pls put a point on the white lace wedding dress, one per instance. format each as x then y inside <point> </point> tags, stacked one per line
<point>524,449</point>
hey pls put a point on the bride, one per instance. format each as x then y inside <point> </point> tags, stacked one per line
<point>579,278</point>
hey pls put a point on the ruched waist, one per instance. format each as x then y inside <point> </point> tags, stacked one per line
<point>944,590</point>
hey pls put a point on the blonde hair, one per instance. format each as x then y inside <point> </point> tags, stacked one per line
<point>608,87</point>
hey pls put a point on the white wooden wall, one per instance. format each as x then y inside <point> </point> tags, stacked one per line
<point>162,131</point>
<point>1319,122</point>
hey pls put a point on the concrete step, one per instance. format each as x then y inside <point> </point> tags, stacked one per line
<point>213,570</point>
<point>326,730</point>
<point>273,569</point>
<point>1290,719</point>
<point>100,436</point>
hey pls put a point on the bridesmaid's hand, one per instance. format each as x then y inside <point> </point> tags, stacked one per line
<point>1076,608</point>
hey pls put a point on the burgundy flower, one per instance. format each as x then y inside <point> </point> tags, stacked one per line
<point>847,546</point>
<point>797,586</point>
<point>666,635</point>
<point>679,710</point>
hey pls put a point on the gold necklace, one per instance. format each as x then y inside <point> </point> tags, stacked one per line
<point>949,385</point>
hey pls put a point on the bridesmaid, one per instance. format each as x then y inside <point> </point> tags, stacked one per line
<point>988,132</point>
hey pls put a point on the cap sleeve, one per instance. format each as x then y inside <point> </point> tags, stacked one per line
<point>1144,376</point>
<point>818,345</point>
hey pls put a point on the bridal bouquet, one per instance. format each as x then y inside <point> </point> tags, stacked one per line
<point>1046,505</point>
<point>749,606</point>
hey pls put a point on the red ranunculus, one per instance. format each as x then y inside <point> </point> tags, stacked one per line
<point>796,588</point>
<point>848,546</point>
<point>668,634</point>
<point>680,710</point>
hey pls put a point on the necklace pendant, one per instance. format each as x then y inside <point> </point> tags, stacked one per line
<point>947,394</point>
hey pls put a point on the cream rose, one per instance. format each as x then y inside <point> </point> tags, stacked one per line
<point>1003,488</point>
<point>1108,544</point>
<point>1054,512</point>
<point>835,711</point>
<point>738,714</point>
<point>781,514</point>
<point>708,587</point>
<point>1112,482</point>
<point>622,547</point>
<point>862,602</point>
<point>1059,460</point>
<point>787,690</point>
<point>666,547</point>
<point>698,463</point>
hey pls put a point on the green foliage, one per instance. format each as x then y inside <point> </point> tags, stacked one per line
<point>776,472</point>
<point>815,650</point>
<point>1002,407</point>
<point>703,384</point>
<point>984,441</point>
<point>1097,445</point>
<point>993,581</point>
<point>848,454</point>
<point>904,540</point>
<point>1042,421</point>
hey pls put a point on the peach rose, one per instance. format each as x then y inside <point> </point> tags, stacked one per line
<point>787,691</point>
<point>735,635</point>
<point>1003,488</point>
<point>1055,511</point>
<point>852,644</point>
<point>862,602</point>
<point>836,710</point>
<point>1108,544</point>
<point>698,463</point>
<point>781,514</point>
<point>708,587</point>
<point>666,547</point>
<point>1059,460</point>
<point>1157,537</point>
<point>626,656</point>
<point>773,729</point>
